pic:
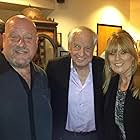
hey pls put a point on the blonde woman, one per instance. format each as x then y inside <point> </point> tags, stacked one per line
<point>121,88</point>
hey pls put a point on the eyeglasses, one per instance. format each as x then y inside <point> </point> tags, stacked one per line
<point>28,38</point>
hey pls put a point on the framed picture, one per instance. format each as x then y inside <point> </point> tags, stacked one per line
<point>59,39</point>
<point>63,53</point>
<point>104,31</point>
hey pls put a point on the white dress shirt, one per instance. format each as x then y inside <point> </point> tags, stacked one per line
<point>81,113</point>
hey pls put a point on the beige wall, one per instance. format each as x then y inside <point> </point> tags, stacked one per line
<point>88,12</point>
<point>82,12</point>
<point>134,26</point>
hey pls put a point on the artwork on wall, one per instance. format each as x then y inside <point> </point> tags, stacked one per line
<point>104,31</point>
<point>59,39</point>
<point>63,53</point>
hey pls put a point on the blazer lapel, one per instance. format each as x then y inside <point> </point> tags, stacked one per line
<point>66,73</point>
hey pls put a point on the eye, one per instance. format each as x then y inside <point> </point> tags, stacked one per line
<point>14,37</point>
<point>112,53</point>
<point>77,47</point>
<point>28,38</point>
<point>88,49</point>
<point>122,52</point>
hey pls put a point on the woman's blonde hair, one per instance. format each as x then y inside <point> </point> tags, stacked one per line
<point>124,40</point>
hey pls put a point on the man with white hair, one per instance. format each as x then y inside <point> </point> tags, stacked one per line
<point>76,89</point>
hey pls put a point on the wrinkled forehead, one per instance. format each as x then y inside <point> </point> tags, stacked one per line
<point>79,32</point>
<point>20,25</point>
<point>83,40</point>
<point>83,36</point>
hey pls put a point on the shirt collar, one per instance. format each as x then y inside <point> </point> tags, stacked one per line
<point>72,67</point>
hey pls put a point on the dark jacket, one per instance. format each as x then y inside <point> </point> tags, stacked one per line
<point>58,72</point>
<point>131,114</point>
<point>24,116</point>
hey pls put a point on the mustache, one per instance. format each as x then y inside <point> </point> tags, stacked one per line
<point>21,49</point>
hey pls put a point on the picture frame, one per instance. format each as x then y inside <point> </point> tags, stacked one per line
<point>59,39</point>
<point>103,32</point>
<point>63,53</point>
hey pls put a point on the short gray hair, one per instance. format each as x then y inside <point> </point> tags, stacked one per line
<point>79,29</point>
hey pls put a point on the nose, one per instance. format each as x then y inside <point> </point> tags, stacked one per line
<point>21,42</point>
<point>81,51</point>
<point>117,56</point>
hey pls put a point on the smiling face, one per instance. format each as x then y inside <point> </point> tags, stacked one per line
<point>81,48</point>
<point>20,42</point>
<point>121,61</point>
<point>120,54</point>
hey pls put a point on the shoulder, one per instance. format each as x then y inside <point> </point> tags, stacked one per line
<point>59,60</point>
<point>38,70</point>
<point>97,60</point>
<point>4,65</point>
<point>114,81</point>
<point>97,63</point>
<point>136,78</point>
<point>39,76</point>
<point>58,63</point>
